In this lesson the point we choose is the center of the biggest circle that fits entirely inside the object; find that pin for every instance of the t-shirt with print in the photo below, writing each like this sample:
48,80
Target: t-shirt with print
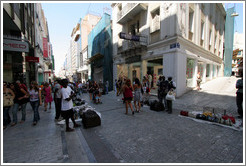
33,95
58,88
66,105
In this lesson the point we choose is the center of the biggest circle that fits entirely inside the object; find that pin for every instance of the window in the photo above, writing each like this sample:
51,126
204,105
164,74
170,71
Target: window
202,33
134,28
155,24
191,24
215,44
210,39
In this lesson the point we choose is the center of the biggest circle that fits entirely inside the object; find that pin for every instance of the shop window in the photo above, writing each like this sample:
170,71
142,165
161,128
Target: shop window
160,71
207,70
189,68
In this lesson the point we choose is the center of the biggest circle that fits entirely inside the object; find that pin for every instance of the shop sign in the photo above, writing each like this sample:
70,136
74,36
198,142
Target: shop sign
32,59
45,47
15,45
175,45
129,37
133,59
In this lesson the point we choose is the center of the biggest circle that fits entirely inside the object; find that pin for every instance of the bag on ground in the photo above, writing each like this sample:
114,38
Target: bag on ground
91,119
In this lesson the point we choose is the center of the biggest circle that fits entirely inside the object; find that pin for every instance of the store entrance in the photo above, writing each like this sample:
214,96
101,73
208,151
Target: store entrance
154,70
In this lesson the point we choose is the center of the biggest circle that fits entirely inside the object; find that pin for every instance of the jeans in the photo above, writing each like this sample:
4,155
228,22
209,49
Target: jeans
239,100
15,110
106,90
35,105
6,117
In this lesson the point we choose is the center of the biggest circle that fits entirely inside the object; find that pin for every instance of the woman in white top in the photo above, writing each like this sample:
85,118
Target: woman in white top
35,100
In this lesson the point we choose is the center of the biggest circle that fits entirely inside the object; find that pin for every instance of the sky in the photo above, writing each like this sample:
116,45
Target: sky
62,17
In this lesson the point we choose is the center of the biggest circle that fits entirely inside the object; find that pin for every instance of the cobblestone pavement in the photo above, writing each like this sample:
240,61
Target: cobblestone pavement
146,137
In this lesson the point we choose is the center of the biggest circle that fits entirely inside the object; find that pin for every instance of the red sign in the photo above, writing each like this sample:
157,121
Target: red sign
32,59
45,47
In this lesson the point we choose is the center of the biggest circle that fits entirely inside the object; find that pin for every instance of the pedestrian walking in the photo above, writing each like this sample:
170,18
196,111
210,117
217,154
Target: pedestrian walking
80,88
163,91
67,105
48,96
198,80
127,93
106,86
115,87
8,102
57,99
171,87
90,89
21,99
137,95
239,97
35,101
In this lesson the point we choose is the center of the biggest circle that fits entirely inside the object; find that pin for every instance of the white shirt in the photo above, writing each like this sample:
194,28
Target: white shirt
66,105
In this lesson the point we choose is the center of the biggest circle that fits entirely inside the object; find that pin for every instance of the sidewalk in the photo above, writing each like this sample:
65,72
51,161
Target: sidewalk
214,94
44,143
146,137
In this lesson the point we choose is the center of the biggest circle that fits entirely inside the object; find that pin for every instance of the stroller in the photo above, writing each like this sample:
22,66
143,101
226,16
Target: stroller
95,97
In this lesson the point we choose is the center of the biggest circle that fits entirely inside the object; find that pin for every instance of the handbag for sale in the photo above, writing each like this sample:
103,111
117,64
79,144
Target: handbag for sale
7,100
170,96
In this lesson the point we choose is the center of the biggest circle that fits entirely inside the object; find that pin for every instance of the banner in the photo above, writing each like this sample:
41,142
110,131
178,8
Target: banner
45,47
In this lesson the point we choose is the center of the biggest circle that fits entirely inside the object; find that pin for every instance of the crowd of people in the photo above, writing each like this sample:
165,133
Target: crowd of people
138,92
16,96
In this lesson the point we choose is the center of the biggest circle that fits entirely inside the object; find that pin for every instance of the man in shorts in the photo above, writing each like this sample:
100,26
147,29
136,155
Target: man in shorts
67,105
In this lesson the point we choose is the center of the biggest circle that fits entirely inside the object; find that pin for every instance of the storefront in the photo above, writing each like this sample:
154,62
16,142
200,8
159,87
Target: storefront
13,59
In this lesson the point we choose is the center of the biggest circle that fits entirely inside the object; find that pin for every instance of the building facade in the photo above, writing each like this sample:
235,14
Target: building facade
170,39
23,47
100,51
86,25
18,42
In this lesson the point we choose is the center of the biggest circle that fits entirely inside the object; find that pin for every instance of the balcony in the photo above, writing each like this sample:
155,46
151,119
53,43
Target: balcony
129,11
131,45
76,35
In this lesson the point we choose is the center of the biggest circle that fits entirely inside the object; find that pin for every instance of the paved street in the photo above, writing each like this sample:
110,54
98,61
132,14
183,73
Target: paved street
146,137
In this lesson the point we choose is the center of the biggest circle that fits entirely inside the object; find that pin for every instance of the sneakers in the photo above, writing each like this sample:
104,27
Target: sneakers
69,130
34,123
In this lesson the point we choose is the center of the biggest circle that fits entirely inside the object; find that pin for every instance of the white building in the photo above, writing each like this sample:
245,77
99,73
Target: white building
176,39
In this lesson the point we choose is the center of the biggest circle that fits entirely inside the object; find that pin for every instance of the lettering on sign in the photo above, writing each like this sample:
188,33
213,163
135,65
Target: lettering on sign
175,45
15,45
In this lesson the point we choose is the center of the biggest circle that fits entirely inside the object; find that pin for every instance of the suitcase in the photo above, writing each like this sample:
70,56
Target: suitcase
91,119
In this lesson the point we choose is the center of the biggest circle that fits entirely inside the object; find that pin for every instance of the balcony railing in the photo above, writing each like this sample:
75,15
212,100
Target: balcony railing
130,10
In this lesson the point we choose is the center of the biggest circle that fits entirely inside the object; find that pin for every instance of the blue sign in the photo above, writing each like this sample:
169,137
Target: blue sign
129,36
175,45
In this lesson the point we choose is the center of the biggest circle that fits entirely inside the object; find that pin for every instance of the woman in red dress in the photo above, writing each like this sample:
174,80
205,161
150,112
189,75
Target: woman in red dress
48,96
127,92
